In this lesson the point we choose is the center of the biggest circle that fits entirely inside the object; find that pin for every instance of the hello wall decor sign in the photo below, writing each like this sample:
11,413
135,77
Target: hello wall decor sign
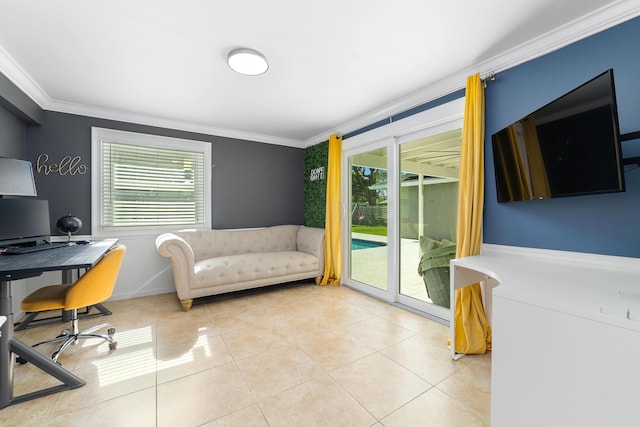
68,165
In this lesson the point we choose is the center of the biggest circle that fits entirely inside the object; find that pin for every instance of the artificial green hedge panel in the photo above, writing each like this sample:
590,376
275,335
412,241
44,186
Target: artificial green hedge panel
315,184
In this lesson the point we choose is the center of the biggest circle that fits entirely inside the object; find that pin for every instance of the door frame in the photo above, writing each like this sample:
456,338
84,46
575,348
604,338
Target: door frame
437,120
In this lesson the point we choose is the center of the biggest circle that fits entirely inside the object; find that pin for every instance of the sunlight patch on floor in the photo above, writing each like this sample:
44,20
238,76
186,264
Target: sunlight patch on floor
126,363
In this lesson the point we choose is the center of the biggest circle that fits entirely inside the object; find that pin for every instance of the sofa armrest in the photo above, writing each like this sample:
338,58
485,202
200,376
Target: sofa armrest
177,249
311,240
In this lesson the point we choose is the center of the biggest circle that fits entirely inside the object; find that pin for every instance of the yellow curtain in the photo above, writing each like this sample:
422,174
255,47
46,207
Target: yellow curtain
472,330
332,248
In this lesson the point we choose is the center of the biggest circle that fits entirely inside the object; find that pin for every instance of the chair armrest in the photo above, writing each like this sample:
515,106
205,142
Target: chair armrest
311,240
177,249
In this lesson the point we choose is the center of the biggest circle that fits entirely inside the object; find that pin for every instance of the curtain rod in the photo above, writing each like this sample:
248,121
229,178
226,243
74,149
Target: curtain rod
491,77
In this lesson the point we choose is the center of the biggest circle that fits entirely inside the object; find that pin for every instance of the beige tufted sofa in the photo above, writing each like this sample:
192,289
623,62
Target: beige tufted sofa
211,262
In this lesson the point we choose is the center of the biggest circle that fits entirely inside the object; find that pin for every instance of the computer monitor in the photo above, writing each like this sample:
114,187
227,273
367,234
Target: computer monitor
16,178
24,221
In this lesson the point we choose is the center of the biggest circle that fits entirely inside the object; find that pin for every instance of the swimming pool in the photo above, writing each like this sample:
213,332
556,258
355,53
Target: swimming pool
365,244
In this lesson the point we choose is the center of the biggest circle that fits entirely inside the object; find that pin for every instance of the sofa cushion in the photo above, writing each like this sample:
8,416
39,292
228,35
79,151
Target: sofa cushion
248,267
215,243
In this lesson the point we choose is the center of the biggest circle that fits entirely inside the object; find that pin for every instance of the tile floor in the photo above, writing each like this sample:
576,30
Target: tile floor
296,355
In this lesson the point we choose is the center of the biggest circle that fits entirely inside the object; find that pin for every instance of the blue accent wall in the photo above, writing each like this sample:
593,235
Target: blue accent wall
606,224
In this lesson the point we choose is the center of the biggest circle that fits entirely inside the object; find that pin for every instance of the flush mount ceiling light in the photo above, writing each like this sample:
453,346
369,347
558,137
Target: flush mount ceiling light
247,61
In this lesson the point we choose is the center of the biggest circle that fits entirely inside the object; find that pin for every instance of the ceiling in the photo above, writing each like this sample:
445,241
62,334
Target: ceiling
335,65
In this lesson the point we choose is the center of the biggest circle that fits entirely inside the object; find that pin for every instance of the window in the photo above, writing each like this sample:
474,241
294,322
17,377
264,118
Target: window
143,184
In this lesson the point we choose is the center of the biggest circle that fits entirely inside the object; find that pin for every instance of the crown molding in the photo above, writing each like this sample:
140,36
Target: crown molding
21,79
578,29
123,116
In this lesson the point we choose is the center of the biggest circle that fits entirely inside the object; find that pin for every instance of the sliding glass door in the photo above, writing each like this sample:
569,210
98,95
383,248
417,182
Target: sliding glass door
368,220
428,201
400,203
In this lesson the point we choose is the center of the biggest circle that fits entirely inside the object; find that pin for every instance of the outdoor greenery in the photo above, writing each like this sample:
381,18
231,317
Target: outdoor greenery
368,196
380,230
363,182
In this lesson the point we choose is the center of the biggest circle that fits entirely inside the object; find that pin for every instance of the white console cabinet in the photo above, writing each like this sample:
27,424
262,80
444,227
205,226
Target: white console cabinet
566,336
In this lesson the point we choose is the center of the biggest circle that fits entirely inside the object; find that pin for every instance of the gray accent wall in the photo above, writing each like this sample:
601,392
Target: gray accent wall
254,184
14,101
11,135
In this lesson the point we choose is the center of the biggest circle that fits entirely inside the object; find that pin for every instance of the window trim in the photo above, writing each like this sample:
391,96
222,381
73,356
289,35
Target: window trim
148,140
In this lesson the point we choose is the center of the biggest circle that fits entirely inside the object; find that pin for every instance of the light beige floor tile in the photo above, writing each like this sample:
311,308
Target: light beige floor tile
210,366
71,355
315,403
434,409
28,378
29,413
379,384
126,320
41,332
277,370
149,305
341,314
123,372
426,356
471,385
135,410
180,326
378,333
186,358
247,417
301,328
482,361
243,343
87,352
132,341
226,321
202,397
335,350
408,320
280,304
230,304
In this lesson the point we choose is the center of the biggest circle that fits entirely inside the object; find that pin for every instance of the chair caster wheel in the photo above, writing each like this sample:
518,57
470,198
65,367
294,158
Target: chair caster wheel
111,331
113,345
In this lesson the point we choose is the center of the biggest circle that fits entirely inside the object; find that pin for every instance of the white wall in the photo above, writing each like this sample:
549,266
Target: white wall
143,272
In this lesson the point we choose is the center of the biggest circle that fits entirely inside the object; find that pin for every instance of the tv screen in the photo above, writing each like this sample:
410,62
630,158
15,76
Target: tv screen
16,178
569,147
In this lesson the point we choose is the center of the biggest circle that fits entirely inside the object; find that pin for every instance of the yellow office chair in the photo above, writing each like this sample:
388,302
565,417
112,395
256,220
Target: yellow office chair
93,287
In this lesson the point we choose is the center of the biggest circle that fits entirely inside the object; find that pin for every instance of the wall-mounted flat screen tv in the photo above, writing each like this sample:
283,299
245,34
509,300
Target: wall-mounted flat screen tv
569,147
16,178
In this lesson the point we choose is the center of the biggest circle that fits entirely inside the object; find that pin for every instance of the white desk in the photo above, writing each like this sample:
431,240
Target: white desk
566,336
